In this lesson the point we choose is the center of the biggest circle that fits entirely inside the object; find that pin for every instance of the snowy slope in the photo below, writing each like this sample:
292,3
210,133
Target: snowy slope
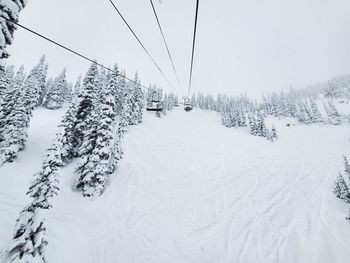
191,190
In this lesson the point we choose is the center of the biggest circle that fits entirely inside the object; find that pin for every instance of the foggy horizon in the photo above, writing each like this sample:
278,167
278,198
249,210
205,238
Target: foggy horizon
239,49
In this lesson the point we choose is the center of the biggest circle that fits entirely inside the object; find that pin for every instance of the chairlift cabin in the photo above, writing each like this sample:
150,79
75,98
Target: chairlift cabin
154,104
187,104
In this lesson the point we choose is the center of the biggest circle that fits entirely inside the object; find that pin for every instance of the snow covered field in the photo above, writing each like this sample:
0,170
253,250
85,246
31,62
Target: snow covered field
191,190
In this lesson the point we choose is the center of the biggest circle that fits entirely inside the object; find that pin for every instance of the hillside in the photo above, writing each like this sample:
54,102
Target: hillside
191,190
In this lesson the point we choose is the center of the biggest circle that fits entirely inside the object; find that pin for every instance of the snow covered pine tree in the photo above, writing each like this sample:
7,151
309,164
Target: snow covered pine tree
9,9
85,131
29,236
6,76
341,190
56,94
334,116
100,160
15,125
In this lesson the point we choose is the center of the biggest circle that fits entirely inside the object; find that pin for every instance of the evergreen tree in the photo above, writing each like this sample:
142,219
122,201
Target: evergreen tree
77,87
235,119
303,113
346,168
42,82
308,113
341,189
9,9
86,181
114,84
252,124
87,103
138,101
260,125
102,80
68,92
33,85
243,120
123,124
128,101
107,140
95,167
14,132
226,118
46,183
68,123
56,94
29,240
333,115
87,136
9,99
48,90
124,116
36,84
6,76
317,117
333,90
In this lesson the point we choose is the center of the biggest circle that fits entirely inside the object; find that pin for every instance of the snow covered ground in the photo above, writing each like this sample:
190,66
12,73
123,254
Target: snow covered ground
191,190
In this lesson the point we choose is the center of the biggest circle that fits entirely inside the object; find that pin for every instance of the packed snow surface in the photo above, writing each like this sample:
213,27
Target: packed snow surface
191,190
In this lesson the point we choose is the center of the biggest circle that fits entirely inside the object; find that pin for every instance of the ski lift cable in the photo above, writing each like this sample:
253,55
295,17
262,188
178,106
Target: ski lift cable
139,41
70,50
193,47
166,44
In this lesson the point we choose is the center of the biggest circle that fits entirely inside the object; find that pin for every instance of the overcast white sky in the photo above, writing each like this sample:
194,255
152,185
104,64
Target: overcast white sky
250,46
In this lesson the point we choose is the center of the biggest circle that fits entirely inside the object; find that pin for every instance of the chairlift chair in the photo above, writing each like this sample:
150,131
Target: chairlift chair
187,104
154,104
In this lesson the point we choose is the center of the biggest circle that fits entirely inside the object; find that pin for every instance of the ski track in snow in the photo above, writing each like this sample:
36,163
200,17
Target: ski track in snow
191,190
